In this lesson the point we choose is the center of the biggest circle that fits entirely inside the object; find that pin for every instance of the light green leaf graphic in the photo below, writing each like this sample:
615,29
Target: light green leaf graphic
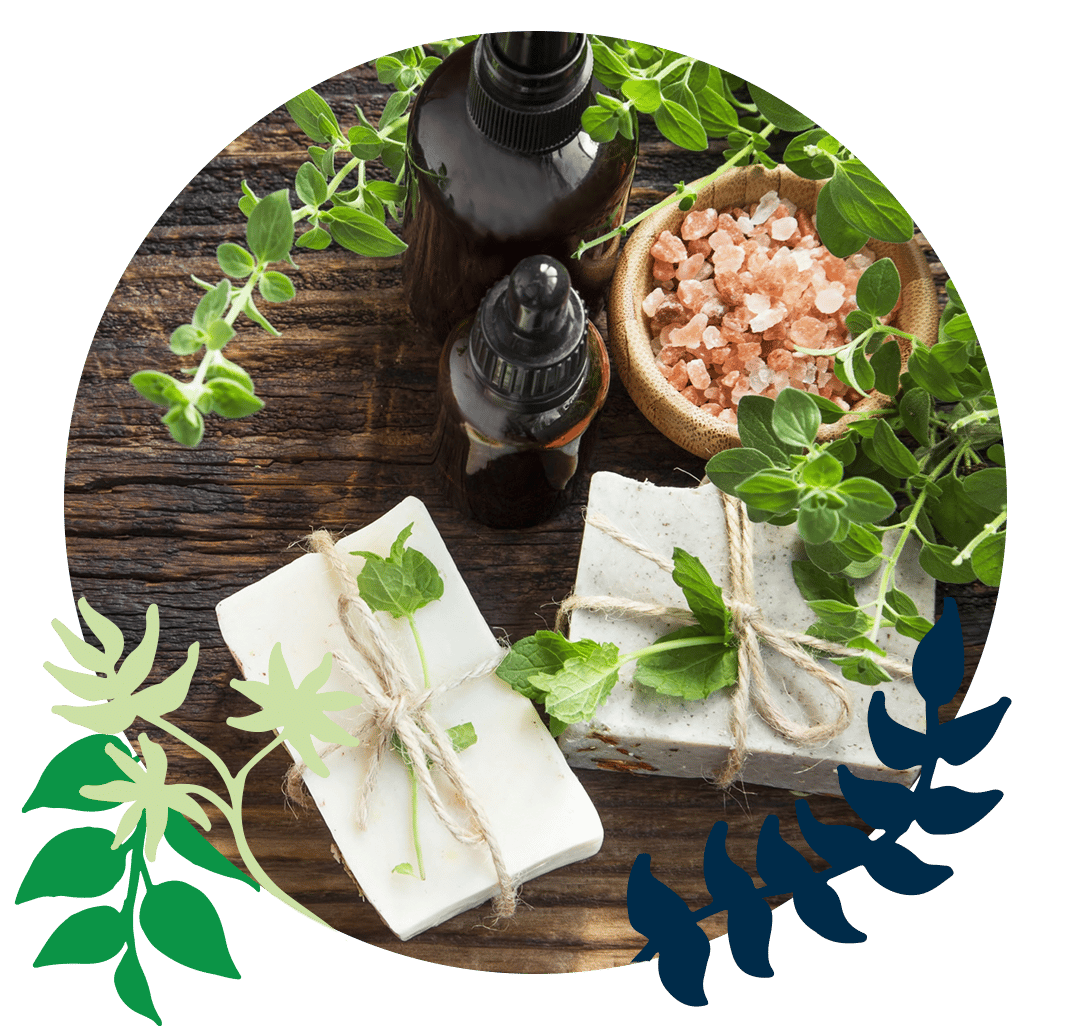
180,922
297,712
148,793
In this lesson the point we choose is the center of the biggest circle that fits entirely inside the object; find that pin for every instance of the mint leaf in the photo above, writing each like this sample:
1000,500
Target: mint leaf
693,672
542,652
703,596
582,684
402,582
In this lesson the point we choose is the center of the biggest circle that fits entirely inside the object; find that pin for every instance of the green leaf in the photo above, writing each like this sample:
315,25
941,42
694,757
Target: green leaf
860,545
195,848
276,287
862,670
865,500
543,652
234,260
838,234
404,868
755,426
822,471
679,126
132,987
771,491
394,109
213,305
180,922
692,673
730,467
230,399
258,317
959,327
270,231
795,418
400,583
160,389
462,736
219,332
703,596
645,94
891,453
987,559
774,110
583,683
78,863
816,584
954,513
988,489
248,201
83,762
310,185
818,522
359,232
91,936
317,238
186,339
878,288
867,204
916,411
308,109
886,365
928,373
810,166
936,560
221,367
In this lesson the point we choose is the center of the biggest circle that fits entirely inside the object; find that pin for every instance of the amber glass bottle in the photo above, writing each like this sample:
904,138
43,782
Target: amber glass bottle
520,386
499,168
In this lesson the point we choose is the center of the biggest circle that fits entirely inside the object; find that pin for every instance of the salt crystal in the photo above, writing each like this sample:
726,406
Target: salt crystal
757,303
783,229
689,268
767,207
669,248
745,224
698,374
803,259
727,258
652,301
691,333
829,299
699,223
760,378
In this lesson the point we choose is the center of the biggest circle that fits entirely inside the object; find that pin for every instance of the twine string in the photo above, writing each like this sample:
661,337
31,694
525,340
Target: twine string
750,629
396,706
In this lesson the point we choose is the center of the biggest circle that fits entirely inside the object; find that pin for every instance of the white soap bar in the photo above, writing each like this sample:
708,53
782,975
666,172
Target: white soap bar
537,808
639,731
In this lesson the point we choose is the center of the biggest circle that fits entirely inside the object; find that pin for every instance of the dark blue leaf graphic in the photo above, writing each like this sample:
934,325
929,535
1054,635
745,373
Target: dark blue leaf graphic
948,810
749,920
886,806
937,667
817,904
841,846
898,747
660,914
966,735
896,868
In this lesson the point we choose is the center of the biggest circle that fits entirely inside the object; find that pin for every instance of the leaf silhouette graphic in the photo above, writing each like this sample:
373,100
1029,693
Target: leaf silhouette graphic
659,913
963,737
180,922
898,747
84,761
949,810
937,667
839,845
816,903
748,916
888,806
896,868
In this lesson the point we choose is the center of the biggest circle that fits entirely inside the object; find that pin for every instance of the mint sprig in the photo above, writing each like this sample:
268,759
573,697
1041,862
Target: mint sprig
571,679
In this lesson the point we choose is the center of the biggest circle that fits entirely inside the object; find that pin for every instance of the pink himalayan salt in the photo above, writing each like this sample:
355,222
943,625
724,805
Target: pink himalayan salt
783,229
691,333
698,373
699,223
651,303
663,270
669,248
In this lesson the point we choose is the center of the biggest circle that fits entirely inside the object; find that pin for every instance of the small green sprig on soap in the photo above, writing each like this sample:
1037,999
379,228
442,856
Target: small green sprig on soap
571,679
401,584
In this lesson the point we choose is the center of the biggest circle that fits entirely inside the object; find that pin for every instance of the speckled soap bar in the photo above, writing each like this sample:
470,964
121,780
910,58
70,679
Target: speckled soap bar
639,731
537,808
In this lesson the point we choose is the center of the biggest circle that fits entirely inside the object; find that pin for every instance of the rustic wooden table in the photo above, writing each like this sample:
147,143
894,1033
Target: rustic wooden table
345,435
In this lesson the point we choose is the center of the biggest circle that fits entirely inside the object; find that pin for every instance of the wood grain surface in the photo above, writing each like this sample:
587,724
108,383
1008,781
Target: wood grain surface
345,435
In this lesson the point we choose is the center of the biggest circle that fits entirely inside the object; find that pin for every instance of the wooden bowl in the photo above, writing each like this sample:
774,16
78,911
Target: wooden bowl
679,420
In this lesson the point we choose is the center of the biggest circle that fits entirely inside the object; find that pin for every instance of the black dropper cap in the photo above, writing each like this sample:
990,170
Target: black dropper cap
529,340
528,90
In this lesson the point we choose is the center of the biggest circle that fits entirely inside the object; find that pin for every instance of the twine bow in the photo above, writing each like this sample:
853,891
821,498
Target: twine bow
750,628
397,707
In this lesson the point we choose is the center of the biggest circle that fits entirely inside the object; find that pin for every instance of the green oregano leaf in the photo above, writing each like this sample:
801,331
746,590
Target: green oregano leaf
309,110
775,110
878,288
836,232
867,204
270,231
234,260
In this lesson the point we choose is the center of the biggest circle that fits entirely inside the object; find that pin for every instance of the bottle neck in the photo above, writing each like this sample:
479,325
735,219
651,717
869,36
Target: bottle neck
528,91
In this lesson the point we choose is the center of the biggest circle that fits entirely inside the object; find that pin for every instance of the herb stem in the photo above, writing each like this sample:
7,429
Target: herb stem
413,810
986,532
658,648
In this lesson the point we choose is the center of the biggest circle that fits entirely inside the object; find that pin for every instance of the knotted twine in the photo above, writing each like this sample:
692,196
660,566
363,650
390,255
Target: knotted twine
396,706
749,627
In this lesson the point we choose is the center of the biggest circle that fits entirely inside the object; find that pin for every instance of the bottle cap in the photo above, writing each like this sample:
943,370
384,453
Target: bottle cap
528,90
529,339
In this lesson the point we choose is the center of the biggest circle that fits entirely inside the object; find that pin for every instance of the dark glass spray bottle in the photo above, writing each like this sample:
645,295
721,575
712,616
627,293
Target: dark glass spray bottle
520,385
499,168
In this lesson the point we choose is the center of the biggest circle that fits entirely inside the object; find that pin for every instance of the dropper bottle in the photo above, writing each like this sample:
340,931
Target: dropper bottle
520,386
500,168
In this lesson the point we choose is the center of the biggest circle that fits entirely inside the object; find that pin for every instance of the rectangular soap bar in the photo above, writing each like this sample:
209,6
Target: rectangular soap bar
537,808
639,731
